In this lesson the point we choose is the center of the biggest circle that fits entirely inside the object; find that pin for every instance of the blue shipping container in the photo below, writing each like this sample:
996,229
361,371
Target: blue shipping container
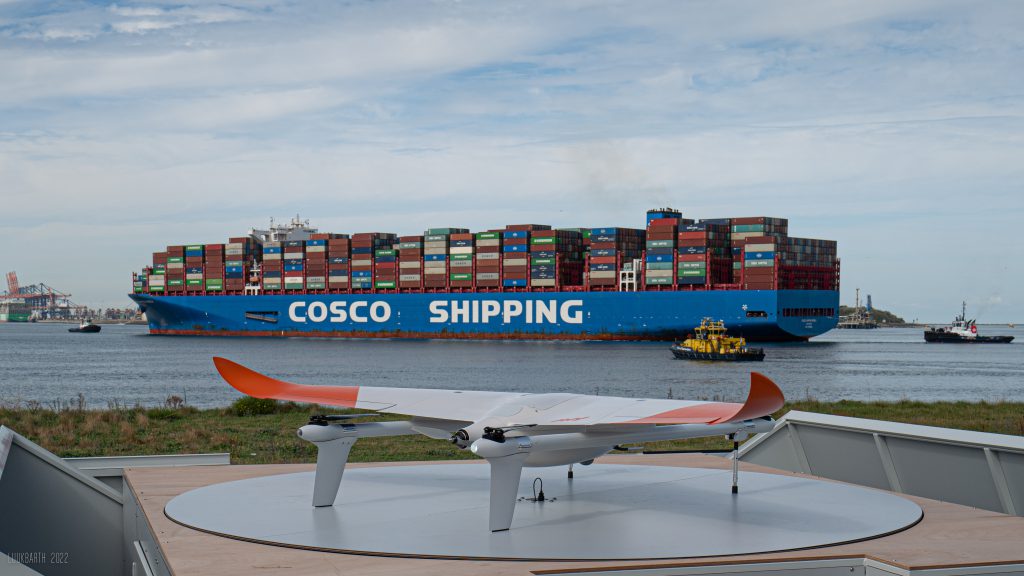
658,257
515,283
515,234
760,256
515,248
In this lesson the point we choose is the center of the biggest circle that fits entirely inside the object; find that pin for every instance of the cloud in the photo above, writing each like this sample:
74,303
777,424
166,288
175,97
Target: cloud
883,125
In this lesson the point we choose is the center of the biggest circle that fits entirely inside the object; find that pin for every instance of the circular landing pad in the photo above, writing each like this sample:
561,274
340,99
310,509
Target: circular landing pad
608,512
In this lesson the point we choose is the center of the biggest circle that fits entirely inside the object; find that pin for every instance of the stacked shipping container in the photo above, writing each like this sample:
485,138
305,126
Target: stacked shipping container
753,253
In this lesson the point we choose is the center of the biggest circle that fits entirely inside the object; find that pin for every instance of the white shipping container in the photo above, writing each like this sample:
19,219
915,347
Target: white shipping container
156,281
411,264
362,262
517,261
488,256
271,244
434,251
659,273
198,276
319,279
489,242
488,276
603,274
461,263
434,264
461,250
434,271
234,252
310,249
409,277
293,280
435,245
760,247
175,265
269,257
543,282
234,246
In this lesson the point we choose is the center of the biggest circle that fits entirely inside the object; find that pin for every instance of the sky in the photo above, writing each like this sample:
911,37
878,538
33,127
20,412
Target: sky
893,127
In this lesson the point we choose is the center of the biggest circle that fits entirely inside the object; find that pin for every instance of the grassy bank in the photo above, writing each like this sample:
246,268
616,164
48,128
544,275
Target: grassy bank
260,432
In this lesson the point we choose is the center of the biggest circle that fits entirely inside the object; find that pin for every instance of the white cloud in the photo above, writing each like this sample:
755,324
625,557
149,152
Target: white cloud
879,124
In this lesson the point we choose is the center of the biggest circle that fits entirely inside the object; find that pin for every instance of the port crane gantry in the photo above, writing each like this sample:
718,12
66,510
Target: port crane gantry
44,301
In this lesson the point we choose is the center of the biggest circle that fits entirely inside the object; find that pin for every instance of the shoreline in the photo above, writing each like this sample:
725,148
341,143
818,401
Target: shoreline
263,432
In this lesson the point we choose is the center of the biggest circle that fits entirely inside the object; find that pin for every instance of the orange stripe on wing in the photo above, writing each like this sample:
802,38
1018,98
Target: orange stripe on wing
763,399
257,385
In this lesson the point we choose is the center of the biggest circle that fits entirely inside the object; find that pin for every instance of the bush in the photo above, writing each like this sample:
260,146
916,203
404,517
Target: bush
249,406
163,414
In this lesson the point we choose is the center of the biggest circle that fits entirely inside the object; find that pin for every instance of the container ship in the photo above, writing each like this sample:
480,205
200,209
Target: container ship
525,281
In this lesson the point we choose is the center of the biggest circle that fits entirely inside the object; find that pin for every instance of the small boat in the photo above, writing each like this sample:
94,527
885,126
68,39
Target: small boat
963,330
710,342
86,327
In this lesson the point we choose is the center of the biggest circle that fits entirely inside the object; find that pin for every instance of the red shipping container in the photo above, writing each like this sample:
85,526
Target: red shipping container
516,241
528,227
691,257
673,222
692,242
293,273
668,235
175,250
515,275
602,259
461,237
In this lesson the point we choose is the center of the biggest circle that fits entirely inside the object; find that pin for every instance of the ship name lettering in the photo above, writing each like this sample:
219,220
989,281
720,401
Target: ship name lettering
337,312
484,311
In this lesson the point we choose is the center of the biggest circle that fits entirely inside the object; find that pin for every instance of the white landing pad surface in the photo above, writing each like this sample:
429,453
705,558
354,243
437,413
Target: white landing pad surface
608,512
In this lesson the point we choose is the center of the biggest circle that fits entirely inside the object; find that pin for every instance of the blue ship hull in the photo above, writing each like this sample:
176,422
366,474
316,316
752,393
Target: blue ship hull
761,315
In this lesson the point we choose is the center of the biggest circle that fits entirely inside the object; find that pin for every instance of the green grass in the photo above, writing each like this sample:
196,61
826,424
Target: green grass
263,433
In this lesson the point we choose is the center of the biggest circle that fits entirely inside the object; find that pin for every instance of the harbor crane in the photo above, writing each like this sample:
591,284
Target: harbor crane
43,300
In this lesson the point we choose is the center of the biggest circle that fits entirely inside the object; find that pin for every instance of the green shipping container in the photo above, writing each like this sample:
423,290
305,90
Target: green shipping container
661,243
175,259
193,282
539,261
760,263
542,240
435,238
461,257
659,265
461,276
384,252
487,235
193,247
658,281
699,265
174,282
384,284
158,272
690,273
316,285
156,288
410,245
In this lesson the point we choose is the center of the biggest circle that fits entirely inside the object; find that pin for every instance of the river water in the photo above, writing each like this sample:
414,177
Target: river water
126,365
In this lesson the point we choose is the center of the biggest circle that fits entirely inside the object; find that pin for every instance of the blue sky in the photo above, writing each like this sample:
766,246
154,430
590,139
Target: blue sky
896,128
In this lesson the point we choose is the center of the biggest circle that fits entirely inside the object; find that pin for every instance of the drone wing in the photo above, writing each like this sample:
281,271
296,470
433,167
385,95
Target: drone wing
456,405
516,409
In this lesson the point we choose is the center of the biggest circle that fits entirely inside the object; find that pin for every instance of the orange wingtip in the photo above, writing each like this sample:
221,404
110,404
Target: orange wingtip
257,385
763,399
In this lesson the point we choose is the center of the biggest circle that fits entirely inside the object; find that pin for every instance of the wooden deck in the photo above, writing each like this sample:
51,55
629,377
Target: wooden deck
949,535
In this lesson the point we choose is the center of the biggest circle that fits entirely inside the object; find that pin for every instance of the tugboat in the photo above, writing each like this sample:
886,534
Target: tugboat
86,327
710,342
963,330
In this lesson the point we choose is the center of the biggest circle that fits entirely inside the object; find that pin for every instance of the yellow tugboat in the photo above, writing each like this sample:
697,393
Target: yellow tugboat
710,342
